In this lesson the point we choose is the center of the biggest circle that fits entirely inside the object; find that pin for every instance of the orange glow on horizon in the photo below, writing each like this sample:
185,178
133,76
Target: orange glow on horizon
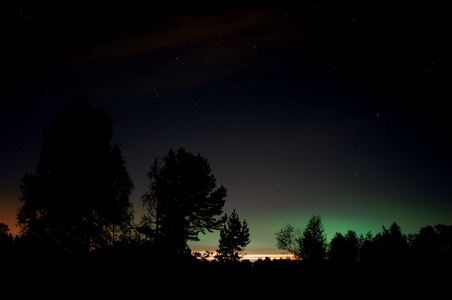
8,211
254,256
272,256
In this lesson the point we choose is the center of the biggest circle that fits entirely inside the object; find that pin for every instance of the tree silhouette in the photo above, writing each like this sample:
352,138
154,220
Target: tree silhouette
6,240
344,249
433,244
445,239
4,229
78,198
309,244
289,239
234,237
314,240
426,244
393,243
183,200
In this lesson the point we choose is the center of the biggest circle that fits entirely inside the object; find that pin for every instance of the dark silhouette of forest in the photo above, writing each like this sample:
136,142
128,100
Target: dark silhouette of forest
76,216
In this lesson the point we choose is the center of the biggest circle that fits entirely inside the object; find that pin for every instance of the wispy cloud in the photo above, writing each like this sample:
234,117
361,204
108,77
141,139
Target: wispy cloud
190,50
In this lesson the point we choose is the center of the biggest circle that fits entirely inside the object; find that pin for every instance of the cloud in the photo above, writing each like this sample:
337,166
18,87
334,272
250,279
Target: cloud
193,50
181,31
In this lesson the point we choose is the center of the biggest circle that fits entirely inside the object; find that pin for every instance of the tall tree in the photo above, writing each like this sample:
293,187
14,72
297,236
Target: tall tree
314,240
234,237
183,200
78,198
394,244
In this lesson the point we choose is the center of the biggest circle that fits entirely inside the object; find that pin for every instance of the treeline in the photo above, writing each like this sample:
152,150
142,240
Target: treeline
431,245
390,246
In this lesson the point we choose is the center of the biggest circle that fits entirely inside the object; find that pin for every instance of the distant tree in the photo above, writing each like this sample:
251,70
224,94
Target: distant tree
314,240
183,200
203,255
394,244
445,240
426,244
309,244
234,237
352,246
4,229
433,244
6,240
337,248
289,239
344,249
367,248
78,198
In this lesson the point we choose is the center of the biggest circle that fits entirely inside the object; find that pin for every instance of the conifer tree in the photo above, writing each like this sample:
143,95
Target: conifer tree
314,240
234,237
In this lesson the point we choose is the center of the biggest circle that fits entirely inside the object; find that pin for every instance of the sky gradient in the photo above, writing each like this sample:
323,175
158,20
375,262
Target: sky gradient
322,109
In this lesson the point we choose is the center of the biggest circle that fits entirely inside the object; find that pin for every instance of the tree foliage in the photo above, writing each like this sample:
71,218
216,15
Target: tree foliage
78,198
289,239
344,249
394,243
309,244
183,200
234,237
314,239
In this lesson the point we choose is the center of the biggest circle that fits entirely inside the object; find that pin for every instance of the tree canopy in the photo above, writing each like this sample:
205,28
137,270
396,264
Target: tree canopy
314,239
309,244
183,200
78,197
289,239
344,248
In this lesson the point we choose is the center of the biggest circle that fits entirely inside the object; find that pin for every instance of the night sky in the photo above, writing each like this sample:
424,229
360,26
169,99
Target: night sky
335,109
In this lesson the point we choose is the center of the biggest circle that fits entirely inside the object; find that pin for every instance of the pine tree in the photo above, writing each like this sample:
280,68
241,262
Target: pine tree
314,240
234,237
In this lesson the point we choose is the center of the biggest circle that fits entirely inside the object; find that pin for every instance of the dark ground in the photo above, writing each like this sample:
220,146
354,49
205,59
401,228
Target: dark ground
118,276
